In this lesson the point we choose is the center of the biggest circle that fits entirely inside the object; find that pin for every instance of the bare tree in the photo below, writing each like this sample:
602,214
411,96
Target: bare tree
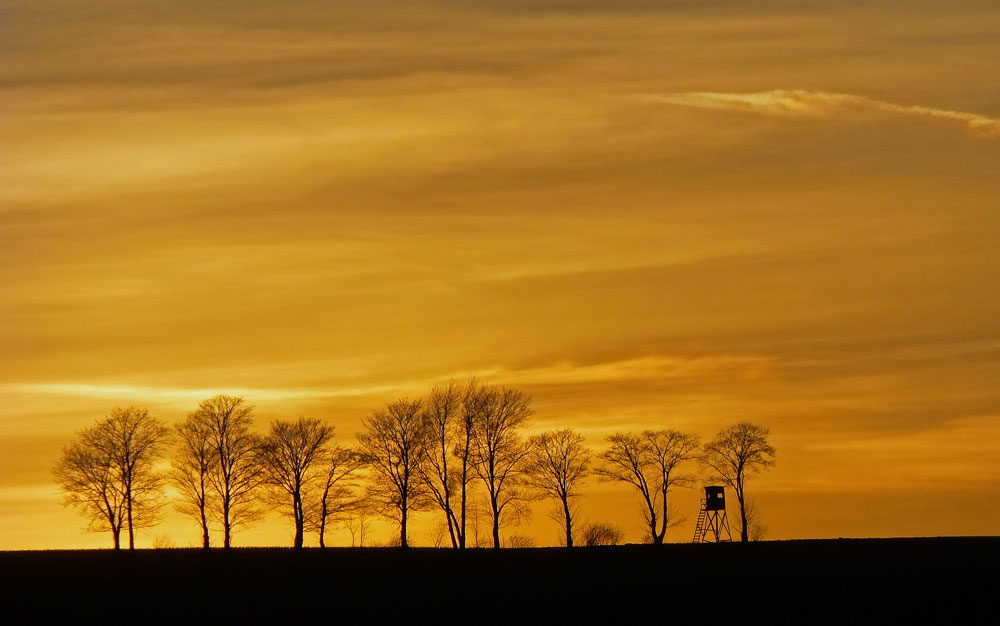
334,494
557,464
109,471
236,474
735,454
520,541
436,534
601,534
359,524
192,465
498,454
474,508
135,441
441,420
88,479
649,462
290,455
393,445
474,399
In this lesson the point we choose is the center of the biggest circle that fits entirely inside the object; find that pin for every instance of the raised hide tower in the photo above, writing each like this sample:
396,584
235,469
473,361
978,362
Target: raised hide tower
713,525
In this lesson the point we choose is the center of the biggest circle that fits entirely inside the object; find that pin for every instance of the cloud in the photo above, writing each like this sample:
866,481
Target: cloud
567,373
161,394
821,104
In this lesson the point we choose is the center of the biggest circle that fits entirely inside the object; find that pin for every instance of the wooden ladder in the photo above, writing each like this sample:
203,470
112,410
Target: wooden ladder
700,526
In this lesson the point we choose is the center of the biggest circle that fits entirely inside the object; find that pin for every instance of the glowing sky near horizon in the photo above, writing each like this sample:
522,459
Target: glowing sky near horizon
646,214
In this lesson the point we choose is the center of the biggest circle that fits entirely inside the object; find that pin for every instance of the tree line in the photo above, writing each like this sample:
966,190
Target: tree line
435,452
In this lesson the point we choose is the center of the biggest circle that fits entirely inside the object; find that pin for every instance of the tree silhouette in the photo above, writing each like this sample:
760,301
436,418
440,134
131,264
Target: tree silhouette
556,466
442,422
290,455
649,462
498,453
109,472
88,479
735,454
601,534
474,397
358,522
333,496
393,445
236,474
520,541
192,465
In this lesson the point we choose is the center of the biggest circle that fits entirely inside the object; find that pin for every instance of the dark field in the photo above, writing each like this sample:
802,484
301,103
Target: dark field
841,581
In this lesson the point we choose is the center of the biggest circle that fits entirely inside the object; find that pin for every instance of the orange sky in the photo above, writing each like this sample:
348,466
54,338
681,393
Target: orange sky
646,214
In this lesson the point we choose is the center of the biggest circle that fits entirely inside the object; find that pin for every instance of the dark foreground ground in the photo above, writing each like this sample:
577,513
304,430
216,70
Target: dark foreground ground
889,581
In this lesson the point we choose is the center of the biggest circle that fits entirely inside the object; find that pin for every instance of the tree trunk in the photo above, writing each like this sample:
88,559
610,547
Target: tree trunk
664,509
227,530
324,513
569,524
448,513
116,533
402,530
204,529
654,537
202,505
461,530
744,532
131,531
496,523
299,520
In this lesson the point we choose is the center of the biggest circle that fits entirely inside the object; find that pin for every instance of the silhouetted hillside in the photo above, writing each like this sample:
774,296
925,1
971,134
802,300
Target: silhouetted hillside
848,581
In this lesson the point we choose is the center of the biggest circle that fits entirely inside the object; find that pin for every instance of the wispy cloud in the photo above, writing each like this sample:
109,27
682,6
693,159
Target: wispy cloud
564,373
821,104
163,394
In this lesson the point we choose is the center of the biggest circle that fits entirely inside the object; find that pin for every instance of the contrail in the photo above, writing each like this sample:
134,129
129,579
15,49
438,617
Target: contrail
820,104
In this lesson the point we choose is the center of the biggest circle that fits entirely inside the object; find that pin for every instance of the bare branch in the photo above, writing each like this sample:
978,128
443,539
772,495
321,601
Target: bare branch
556,466
236,473
109,472
649,462
498,454
333,498
393,445
290,456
